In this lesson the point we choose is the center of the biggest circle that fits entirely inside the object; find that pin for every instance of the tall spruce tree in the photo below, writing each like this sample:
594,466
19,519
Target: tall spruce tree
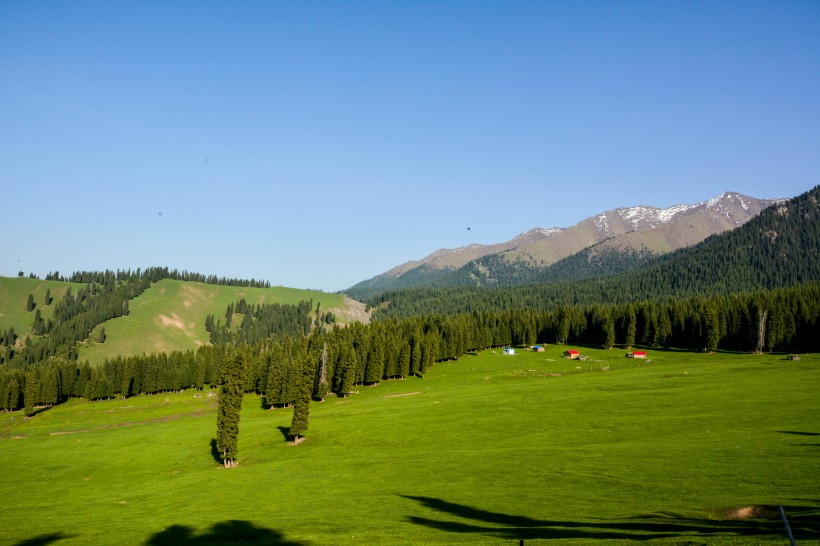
301,406
31,393
320,387
230,406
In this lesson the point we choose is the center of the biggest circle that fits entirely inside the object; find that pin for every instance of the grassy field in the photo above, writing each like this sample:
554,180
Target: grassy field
14,294
170,316
489,449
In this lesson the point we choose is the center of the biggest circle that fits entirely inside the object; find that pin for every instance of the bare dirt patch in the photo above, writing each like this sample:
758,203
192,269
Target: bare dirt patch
354,311
754,511
398,395
172,321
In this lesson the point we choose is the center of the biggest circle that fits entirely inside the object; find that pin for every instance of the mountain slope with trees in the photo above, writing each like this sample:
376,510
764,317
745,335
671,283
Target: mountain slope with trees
627,237
778,248
97,316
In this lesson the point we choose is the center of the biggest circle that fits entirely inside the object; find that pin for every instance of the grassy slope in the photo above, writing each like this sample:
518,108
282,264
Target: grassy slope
14,293
487,450
170,315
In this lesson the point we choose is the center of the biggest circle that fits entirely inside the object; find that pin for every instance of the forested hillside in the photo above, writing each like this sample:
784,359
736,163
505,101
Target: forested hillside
97,315
778,248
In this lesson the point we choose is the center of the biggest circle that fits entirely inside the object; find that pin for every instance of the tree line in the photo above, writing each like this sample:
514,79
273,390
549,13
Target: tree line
152,274
339,360
264,321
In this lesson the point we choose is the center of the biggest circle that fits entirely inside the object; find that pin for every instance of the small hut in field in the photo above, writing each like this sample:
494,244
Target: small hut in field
509,351
538,348
637,354
572,354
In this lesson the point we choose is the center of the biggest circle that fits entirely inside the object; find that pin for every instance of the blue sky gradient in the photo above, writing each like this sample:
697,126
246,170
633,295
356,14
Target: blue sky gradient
317,144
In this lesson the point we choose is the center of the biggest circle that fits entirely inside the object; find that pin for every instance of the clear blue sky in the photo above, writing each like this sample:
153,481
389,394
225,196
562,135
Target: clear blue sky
317,144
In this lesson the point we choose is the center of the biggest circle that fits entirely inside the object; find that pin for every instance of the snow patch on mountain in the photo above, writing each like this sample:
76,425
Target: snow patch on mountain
651,216
602,223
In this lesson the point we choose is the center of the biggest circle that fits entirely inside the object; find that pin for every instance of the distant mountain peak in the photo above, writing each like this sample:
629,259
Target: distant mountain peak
640,228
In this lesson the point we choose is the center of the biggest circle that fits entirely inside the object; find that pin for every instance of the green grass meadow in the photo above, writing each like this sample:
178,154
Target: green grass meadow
14,293
170,316
489,449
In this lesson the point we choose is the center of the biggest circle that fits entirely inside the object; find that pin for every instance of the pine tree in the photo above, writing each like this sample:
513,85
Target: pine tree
321,387
31,394
631,326
30,303
229,408
301,406
13,394
712,327
50,387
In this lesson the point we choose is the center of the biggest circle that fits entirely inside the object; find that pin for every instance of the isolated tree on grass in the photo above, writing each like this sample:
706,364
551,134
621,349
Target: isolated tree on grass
230,405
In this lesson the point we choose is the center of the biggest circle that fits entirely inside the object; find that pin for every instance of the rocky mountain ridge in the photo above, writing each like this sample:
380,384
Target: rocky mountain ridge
639,228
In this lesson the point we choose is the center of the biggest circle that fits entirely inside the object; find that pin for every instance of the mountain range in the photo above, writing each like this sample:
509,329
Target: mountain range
609,242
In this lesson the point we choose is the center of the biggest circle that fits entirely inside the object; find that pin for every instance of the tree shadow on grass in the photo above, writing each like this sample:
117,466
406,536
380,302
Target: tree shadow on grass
215,452
798,433
463,519
44,539
285,432
224,532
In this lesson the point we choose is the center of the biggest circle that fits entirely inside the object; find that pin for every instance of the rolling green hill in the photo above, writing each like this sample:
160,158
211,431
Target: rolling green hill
14,293
169,315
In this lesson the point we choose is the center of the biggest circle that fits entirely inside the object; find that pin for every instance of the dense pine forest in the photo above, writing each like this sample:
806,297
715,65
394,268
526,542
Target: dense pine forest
754,289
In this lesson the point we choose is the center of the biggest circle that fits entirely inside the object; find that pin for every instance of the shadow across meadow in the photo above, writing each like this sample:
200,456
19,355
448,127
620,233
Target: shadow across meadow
44,540
462,519
224,532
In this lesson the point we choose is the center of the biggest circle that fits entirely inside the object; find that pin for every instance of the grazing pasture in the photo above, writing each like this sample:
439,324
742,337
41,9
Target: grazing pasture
687,448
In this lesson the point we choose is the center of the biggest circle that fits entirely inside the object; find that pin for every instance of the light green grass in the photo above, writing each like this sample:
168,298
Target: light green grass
170,316
490,449
14,295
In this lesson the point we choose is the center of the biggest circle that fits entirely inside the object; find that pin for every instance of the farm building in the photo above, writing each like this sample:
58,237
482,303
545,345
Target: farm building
637,354
538,348
509,351
572,354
